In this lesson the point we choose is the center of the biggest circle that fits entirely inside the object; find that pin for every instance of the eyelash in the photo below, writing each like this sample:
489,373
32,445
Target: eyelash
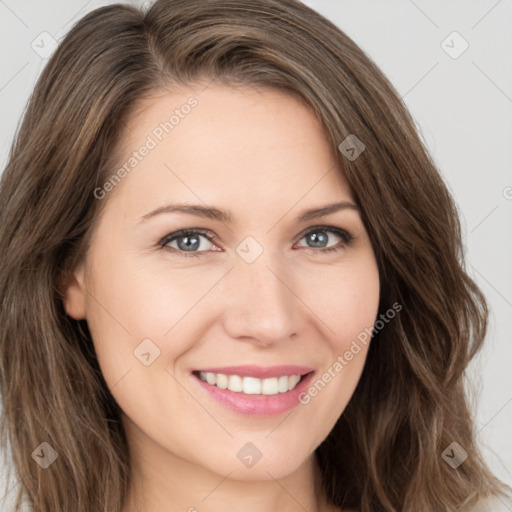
346,237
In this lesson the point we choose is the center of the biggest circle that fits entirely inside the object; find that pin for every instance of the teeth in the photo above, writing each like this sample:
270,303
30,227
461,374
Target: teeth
271,386
235,383
251,385
222,381
282,384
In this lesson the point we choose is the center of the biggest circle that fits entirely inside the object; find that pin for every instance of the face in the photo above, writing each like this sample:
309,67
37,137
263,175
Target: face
264,286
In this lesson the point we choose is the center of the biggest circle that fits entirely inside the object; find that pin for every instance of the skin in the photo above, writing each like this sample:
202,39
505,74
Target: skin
263,156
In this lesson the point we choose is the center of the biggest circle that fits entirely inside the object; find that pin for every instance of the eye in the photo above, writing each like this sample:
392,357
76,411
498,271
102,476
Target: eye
187,241
319,238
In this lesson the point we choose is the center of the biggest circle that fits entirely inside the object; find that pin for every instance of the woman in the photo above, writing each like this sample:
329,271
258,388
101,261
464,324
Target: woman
232,275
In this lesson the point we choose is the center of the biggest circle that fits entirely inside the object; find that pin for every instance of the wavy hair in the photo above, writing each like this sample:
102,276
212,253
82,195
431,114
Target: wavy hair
384,453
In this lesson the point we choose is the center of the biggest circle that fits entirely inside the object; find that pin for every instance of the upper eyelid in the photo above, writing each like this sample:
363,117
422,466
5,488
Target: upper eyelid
322,226
183,232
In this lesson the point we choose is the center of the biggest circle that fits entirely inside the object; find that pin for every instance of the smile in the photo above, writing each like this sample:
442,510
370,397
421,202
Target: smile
251,385
254,390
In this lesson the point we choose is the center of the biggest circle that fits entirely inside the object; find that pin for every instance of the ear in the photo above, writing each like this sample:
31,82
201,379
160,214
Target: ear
74,295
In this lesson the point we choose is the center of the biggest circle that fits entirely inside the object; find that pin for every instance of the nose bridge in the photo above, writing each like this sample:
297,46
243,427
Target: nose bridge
262,305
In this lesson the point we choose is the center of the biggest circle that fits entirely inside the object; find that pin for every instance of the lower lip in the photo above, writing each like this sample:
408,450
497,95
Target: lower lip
257,405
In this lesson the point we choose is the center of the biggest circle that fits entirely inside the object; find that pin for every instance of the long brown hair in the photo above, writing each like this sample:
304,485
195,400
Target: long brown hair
385,452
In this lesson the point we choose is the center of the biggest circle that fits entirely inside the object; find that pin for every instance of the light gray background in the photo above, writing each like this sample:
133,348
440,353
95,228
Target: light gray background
462,107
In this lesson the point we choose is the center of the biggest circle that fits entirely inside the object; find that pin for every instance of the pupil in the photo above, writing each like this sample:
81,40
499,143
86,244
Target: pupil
318,241
188,246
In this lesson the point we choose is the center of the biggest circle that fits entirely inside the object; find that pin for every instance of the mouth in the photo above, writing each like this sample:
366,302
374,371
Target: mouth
255,381
255,391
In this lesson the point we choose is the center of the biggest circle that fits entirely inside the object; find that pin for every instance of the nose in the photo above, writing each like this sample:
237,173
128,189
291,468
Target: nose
261,305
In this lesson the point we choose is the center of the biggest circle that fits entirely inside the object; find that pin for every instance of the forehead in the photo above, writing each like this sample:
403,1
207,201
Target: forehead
242,143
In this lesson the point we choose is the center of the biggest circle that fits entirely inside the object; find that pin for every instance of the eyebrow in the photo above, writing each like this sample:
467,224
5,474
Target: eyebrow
221,215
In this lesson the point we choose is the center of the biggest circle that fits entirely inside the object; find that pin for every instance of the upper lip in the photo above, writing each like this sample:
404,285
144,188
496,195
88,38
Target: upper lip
259,372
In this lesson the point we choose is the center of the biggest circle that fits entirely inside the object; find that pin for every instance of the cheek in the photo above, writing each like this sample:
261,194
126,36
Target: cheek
134,299
156,294
345,298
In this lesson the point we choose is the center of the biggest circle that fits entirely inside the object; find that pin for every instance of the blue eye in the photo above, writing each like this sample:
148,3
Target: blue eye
188,241
319,237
